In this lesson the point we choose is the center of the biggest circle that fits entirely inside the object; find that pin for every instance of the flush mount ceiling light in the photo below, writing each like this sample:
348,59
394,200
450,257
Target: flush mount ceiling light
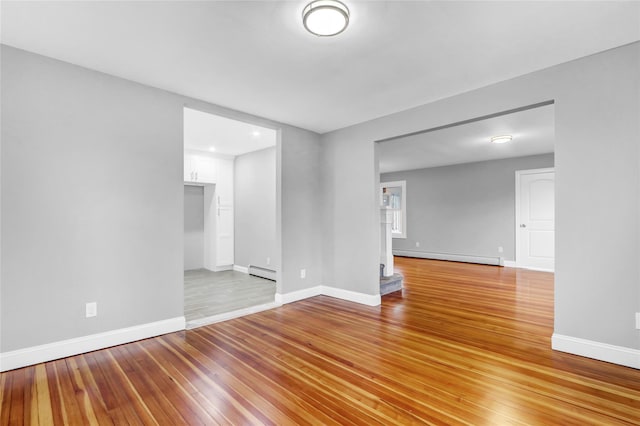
501,139
325,17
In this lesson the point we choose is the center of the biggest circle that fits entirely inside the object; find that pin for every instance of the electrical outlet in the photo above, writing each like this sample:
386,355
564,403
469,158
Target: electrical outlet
91,309
303,273
500,249
268,261
417,243
638,320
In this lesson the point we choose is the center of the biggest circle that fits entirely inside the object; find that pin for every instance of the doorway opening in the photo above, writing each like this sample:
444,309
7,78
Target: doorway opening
460,201
230,258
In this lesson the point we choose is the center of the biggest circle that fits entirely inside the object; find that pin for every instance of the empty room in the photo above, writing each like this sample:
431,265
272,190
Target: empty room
320,212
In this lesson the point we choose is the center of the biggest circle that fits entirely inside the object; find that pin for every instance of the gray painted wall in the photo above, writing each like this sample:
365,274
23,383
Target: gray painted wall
300,224
193,227
255,208
92,200
597,162
464,209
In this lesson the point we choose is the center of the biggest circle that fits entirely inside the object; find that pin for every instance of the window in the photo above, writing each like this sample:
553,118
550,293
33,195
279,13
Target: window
394,195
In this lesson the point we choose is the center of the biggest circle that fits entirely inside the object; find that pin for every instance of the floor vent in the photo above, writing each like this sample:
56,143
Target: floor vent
257,271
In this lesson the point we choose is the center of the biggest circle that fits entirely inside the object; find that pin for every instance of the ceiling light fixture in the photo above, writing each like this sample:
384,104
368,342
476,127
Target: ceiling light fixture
501,139
255,133
325,17
212,149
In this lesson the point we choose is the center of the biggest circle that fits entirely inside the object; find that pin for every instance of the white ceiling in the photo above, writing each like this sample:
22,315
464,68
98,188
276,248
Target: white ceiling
220,135
257,57
533,133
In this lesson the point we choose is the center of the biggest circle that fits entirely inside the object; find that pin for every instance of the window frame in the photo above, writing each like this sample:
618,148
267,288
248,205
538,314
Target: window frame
403,205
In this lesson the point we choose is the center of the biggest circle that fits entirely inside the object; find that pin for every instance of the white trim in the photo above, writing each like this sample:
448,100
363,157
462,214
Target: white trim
531,268
222,268
294,296
519,173
338,293
352,296
513,264
231,315
242,269
78,345
449,256
596,350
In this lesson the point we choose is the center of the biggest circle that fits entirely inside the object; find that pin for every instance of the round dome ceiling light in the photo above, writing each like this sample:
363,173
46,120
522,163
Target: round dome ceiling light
325,18
501,139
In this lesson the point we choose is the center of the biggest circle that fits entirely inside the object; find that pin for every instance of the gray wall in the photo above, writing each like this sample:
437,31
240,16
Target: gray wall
464,209
255,208
300,224
597,164
92,200
193,227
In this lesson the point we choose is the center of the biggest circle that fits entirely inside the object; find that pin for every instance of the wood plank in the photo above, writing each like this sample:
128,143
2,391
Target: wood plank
72,413
154,384
19,393
86,391
461,344
58,410
5,395
42,403
283,390
121,399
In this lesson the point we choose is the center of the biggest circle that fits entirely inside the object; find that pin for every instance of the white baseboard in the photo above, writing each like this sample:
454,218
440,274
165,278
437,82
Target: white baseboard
338,293
64,348
222,268
242,269
294,296
448,256
536,269
352,296
513,264
596,350
231,315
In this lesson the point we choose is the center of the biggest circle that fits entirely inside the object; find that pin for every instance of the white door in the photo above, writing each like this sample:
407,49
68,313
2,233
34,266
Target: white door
224,198
535,221
225,246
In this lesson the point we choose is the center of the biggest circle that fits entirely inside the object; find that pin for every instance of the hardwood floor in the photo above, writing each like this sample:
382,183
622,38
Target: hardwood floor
208,293
462,344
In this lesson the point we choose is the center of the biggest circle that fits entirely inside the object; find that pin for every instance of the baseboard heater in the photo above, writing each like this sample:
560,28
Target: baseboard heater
257,271
498,261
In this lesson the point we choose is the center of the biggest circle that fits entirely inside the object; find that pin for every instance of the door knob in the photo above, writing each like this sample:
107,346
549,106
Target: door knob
522,225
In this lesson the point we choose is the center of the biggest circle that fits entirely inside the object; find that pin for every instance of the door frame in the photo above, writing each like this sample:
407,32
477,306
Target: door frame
520,173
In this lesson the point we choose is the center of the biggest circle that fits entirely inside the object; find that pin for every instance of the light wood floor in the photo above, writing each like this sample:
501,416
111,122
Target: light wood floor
462,344
208,293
